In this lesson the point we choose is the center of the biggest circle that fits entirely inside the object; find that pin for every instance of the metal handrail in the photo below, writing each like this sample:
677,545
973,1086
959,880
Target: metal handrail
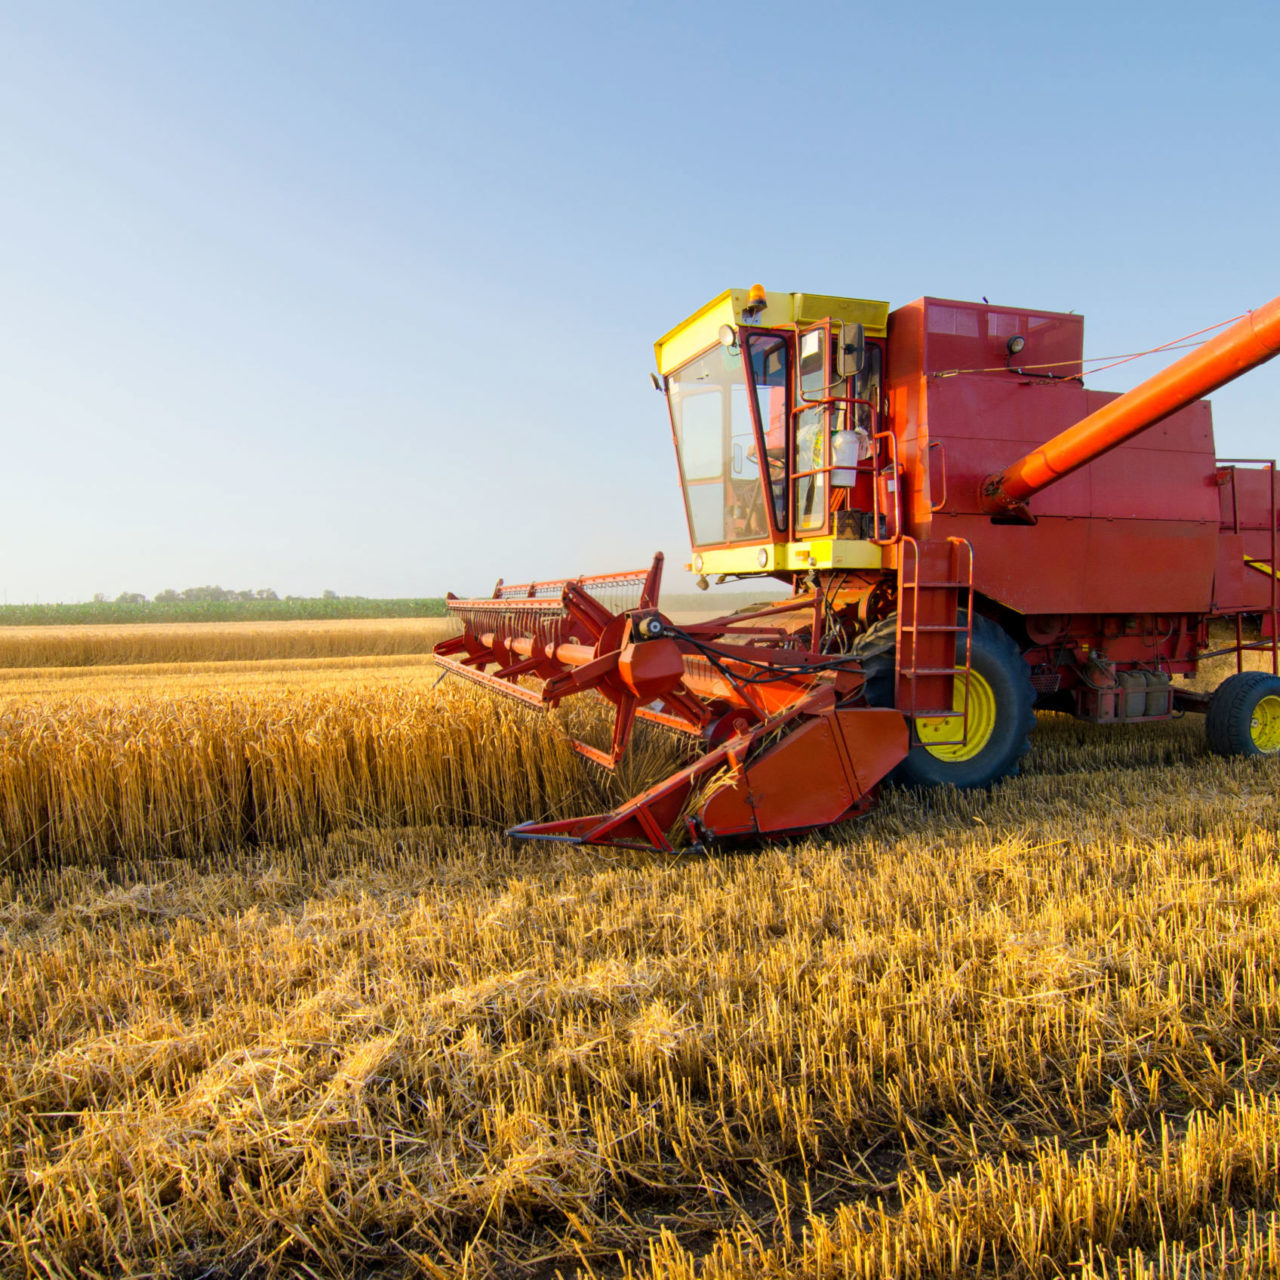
942,448
876,472
803,406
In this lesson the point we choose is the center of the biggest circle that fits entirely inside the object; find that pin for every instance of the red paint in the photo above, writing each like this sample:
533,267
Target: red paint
1242,347
1139,540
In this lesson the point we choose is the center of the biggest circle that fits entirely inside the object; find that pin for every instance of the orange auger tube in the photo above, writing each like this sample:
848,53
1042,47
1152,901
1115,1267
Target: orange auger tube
1247,344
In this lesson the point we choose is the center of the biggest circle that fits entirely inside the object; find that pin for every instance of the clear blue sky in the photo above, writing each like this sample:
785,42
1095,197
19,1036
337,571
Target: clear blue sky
362,296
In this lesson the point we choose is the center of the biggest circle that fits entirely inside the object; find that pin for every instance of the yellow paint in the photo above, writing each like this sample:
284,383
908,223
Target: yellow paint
1261,566
1264,728
939,734
873,316
702,329
820,553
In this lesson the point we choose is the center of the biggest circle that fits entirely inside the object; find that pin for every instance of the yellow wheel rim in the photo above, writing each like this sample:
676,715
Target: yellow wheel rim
1265,726
940,735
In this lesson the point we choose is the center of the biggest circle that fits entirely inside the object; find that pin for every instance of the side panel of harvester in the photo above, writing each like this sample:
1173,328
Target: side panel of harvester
1247,549
1136,531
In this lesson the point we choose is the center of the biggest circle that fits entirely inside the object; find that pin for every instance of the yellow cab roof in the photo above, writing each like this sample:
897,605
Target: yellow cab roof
702,329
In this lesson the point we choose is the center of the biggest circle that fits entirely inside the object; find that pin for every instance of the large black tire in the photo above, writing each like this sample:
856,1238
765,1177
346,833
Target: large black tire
997,661
1244,715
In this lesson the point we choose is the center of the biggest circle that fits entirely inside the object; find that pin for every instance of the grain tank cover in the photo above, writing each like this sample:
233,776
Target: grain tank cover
975,337
701,330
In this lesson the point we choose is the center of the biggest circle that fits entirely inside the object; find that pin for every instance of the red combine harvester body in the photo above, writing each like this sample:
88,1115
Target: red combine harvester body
968,532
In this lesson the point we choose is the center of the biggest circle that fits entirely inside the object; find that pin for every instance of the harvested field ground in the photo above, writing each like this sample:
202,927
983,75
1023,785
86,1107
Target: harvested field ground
1031,1033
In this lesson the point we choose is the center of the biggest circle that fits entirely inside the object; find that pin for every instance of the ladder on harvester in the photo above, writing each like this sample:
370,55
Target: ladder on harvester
935,627
1267,563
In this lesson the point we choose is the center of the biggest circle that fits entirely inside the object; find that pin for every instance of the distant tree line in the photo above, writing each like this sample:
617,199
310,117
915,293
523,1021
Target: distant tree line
201,594
218,604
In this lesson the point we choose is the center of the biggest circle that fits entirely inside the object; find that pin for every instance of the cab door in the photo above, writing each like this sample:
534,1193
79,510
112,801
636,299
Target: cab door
811,432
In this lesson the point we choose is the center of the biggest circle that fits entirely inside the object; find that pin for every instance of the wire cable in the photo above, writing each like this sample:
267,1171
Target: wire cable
767,672
1175,344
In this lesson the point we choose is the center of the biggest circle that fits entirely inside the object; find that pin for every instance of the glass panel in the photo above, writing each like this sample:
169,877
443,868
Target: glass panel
813,362
811,490
811,435
868,388
701,418
716,448
706,513
768,355
747,514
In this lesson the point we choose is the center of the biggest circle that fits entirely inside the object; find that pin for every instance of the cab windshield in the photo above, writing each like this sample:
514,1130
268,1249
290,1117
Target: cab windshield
717,448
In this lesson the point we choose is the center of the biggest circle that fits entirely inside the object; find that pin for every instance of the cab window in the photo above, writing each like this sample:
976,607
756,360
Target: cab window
716,449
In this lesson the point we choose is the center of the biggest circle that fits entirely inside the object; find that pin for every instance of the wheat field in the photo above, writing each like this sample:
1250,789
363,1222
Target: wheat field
77,646
1030,1033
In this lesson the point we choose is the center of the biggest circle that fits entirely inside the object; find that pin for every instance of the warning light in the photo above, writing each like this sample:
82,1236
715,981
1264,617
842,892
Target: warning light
756,301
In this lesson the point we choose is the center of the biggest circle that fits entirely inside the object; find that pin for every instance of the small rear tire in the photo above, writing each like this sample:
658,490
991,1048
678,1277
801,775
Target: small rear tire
1244,715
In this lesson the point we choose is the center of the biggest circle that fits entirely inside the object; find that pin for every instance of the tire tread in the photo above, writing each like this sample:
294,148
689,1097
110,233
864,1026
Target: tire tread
1226,722
875,647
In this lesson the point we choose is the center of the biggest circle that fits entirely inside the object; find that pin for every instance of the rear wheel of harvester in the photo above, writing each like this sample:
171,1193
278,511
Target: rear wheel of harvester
1000,716
1244,715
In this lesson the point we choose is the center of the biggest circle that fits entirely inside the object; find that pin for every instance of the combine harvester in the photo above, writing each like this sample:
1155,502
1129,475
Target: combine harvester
884,465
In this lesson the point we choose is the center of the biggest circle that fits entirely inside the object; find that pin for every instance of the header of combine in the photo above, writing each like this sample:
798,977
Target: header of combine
881,462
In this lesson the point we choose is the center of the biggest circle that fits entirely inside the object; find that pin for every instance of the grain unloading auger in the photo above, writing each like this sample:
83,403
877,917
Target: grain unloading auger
881,464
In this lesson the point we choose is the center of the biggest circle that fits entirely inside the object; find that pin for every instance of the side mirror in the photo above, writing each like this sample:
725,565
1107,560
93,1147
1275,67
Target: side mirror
851,352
